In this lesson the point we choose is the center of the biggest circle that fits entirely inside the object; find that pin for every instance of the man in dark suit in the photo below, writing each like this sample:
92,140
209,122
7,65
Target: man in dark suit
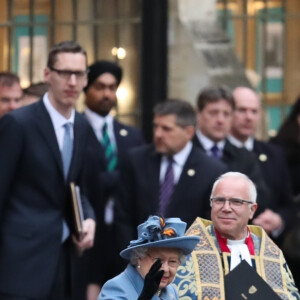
171,177
214,110
246,118
44,148
116,139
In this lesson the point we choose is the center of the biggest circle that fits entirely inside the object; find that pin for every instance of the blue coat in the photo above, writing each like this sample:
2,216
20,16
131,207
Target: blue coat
128,286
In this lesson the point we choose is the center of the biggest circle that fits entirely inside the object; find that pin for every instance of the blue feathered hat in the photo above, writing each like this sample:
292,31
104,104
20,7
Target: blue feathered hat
158,232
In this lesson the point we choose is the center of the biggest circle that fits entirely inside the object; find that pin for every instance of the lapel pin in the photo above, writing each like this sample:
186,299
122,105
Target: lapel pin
263,157
123,132
191,172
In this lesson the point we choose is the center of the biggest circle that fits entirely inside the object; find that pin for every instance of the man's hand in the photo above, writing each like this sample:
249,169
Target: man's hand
87,241
268,220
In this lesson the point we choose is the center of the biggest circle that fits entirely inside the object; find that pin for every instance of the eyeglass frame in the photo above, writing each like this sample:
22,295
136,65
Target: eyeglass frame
66,74
230,201
163,261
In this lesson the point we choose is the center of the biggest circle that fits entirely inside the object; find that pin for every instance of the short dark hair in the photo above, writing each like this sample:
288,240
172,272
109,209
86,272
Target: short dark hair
184,112
8,79
64,47
36,89
214,94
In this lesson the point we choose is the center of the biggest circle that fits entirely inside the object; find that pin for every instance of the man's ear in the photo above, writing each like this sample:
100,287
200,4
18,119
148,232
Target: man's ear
253,209
46,74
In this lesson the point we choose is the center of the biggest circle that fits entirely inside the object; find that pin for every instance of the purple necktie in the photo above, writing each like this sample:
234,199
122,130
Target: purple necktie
215,151
166,189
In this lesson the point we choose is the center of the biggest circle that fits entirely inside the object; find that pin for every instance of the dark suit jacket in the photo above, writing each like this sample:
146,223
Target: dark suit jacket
139,196
105,262
276,176
241,160
34,198
126,137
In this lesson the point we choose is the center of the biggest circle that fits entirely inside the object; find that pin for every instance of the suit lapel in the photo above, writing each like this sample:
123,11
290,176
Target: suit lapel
117,128
46,128
188,173
197,142
154,171
228,153
78,146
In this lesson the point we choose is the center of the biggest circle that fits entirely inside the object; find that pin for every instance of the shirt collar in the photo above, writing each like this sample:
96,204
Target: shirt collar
181,157
248,144
58,120
208,143
96,120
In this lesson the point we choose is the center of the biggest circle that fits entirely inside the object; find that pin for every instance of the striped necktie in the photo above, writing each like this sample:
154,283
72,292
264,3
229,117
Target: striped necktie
167,188
110,153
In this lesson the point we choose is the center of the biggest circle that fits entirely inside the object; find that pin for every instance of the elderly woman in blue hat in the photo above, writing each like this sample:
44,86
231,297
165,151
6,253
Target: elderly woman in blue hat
153,261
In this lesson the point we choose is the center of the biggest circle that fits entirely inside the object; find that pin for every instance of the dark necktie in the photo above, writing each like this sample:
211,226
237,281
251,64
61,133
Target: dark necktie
167,188
215,151
110,153
67,149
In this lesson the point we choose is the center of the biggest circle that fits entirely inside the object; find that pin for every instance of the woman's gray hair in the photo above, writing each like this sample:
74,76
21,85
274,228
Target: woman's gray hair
137,254
141,252
251,186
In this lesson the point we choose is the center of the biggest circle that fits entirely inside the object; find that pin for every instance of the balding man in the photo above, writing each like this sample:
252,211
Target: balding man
245,121
227,240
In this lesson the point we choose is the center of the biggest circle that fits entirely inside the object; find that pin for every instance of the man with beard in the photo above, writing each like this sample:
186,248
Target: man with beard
115,139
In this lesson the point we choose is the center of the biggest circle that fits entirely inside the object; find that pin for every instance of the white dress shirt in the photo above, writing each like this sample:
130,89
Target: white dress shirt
179,160
59,121
97,122
249,144
208,143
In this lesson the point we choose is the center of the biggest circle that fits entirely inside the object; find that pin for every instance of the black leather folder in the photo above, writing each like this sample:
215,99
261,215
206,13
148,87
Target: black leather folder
244,283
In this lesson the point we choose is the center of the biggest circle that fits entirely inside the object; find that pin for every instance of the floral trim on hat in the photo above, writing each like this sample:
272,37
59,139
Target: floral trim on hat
155,231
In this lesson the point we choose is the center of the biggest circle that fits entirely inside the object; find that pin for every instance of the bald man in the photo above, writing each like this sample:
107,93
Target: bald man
246,118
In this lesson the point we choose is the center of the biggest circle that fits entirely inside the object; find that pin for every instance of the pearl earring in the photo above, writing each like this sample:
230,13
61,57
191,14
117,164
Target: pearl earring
138,266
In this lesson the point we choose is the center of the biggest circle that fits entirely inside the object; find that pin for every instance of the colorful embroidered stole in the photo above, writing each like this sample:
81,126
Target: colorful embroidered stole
210,264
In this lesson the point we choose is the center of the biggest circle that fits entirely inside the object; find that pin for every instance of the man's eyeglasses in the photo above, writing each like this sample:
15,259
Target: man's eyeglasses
66,74
172,263
233,202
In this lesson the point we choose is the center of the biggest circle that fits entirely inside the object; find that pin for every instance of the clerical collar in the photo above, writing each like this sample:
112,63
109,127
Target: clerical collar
236,242
223,242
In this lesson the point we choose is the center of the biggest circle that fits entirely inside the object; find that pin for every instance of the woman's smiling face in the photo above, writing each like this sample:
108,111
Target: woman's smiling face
170,262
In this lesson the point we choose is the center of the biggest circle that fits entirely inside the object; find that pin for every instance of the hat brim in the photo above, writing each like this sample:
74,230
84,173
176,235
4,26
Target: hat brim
185,243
